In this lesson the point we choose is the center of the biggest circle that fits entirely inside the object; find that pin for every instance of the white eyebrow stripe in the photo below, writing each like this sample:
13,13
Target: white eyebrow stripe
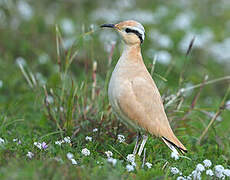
141,31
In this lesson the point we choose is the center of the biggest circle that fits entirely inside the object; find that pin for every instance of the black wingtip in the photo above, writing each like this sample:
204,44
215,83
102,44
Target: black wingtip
179,148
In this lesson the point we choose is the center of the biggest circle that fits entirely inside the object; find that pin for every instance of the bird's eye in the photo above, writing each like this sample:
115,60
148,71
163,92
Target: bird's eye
128,30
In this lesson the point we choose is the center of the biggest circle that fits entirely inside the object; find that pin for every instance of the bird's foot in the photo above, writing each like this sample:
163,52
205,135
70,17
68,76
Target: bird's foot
144,139
137,144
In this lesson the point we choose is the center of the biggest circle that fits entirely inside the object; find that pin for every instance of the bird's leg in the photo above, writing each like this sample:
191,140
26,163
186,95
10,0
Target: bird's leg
143,163
137,143
144,137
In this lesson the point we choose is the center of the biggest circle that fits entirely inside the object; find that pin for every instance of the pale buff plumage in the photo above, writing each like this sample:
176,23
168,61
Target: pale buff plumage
133,94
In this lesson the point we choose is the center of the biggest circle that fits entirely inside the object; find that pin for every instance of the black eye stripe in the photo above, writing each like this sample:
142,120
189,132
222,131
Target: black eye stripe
128,30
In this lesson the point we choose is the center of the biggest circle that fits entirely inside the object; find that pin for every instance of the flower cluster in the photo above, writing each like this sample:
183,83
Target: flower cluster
41,146
2,141
109,154
131,159
18,141
149,165
121,138
95,130
30,154
111,160
71,158
218,171
85,152
66,140
88,138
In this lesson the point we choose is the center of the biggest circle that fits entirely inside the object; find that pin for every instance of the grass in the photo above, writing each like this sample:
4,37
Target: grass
66,95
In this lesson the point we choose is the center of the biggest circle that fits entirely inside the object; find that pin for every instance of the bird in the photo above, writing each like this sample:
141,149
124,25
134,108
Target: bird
133,94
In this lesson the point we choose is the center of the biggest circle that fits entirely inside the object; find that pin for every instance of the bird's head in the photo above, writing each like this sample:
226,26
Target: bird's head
131,31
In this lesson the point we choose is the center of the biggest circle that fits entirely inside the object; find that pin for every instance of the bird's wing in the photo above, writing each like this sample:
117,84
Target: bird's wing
141,102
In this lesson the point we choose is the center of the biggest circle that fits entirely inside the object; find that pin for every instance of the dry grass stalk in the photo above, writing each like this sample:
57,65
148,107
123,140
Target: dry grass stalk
219,111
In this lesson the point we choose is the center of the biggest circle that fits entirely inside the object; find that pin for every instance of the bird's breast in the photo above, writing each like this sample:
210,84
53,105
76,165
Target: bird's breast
118,86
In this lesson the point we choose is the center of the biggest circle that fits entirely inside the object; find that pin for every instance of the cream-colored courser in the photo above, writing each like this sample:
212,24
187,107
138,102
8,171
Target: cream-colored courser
132,92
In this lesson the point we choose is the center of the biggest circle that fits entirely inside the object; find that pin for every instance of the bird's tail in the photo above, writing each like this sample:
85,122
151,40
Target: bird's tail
174,144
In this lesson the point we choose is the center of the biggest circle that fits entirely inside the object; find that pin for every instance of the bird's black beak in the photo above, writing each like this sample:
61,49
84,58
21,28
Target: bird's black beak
108,25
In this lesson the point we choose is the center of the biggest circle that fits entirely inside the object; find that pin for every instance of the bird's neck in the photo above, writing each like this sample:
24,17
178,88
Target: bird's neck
132,53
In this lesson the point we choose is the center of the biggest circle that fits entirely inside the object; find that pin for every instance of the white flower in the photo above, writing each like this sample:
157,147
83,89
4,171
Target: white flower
209,172
227,104
196,175
121,138
18,141
202,40
43,58
219,170
67,139
73,161
41,145
164,57
200,168
129,168
67,26
161,11
165,41
20,61
69,155
227,172
95,130
180,178
189,177
2,141
50,99
92,27
25,10
130,158
58,142
149,165
144,16
30,154
41,79
183,21
61,109
38,145
1,83
85,152
207,163
124,4
108,154
68,42
161,39
88,138
174,155
112,161
220,50
174,170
